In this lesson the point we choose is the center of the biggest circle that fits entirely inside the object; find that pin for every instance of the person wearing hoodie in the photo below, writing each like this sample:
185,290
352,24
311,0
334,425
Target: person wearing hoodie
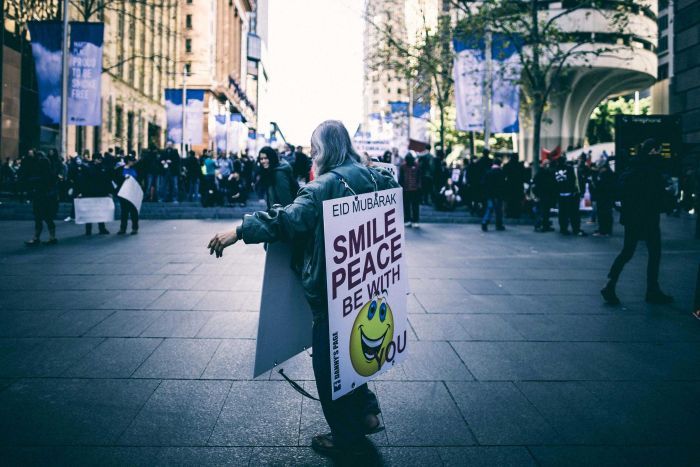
276,176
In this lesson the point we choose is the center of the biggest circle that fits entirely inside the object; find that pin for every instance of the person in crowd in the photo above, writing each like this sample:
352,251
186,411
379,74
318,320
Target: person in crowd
425,166
39,178
476,178
354,415
238,193
386,157
126,207
94,182
193,173
604,184
170,173
224,168
287,154
514,195
641,195
209,192
151,168
493,189
276,178
449,195
545,189
302,166
567,187
409,179
248,174
7,176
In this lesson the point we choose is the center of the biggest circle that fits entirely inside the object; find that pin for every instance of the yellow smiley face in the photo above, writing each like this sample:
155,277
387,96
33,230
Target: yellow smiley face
372,332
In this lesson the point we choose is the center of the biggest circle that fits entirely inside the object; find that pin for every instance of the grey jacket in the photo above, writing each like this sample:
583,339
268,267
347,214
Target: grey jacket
304,219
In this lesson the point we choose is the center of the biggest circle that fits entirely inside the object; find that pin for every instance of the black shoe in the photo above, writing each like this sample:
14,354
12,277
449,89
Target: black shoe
565,232
325,445
33,242
372,424
134,232
121,232
500,228
51,241
609,295
104,232
485,227
658,298
581,233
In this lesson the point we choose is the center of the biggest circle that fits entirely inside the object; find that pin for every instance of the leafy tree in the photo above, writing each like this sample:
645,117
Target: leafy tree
601,128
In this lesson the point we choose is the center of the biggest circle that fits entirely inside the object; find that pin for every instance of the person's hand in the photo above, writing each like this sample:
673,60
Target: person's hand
221,241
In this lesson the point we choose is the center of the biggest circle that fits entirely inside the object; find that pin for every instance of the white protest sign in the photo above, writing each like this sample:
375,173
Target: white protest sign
90,210
386,166
366,284
132,192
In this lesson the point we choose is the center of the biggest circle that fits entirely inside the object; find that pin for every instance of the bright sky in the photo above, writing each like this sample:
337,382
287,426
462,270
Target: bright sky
315,50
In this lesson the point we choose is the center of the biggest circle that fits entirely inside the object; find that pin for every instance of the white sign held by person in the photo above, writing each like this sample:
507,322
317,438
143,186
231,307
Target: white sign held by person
367,286
132,192
90,210
391,168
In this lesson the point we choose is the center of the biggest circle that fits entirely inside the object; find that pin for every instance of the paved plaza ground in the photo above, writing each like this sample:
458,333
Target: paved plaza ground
139,351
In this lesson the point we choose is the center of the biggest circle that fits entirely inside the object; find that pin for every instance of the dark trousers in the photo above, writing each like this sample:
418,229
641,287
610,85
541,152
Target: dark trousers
493,205
344,415
544,206
427,190
604,210
411,206
44,209
652,236
569,214
101,226
128,210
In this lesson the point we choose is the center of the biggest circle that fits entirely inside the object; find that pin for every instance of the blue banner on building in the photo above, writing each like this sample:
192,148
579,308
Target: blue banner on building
220,126
195,116
469,73
84,74
46,37
505,97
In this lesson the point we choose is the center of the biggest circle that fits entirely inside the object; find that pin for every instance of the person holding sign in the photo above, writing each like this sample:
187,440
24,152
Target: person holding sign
127,207
339,173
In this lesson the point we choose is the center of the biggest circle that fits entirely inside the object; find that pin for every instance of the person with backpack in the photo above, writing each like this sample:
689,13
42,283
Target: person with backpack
276,176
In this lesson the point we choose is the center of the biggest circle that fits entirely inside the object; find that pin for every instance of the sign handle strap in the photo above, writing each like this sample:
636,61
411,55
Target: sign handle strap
296,386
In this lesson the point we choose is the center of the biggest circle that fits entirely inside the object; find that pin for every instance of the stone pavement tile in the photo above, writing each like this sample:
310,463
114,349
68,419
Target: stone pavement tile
258,413
69,411
125,323
487,456
298,368
227,283
579,456
488,327
498,414
414,306
178,358
480,304
73,323
582,304
177,268
662,455
574,412
114,358
437,327
553,286
496,361
132,281
6,383
179,413
177,300
176,282
22,323
484,287
44,357
435,286
80,455
277,456
421,414
432,361
642,415
405,456
230,325
177,324
227,301
234,359
204,456
131,299
53,299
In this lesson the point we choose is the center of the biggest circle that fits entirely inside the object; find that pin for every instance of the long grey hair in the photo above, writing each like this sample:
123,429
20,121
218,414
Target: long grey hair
331,146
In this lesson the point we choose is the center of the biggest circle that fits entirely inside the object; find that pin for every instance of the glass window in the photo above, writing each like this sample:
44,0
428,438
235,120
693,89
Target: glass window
188,21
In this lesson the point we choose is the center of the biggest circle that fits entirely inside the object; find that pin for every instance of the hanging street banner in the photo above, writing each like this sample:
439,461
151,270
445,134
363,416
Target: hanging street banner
237,133
419,136
366,286
220,126
195,116
85,74
399,125
46,40
505,96
469,74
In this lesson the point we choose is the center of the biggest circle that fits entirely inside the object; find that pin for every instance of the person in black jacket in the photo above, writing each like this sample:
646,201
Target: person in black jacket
604,190
545,189
276,178
493,189
94,182
302,166
642,194
170,163
40,179
567,187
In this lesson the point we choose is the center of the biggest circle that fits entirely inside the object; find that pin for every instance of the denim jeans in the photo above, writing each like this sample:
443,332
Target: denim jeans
493,205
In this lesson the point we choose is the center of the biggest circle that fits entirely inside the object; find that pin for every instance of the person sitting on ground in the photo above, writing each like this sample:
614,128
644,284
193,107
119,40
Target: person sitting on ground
449,195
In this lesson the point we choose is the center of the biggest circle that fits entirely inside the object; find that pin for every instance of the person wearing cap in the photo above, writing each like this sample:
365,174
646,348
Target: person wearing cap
127,208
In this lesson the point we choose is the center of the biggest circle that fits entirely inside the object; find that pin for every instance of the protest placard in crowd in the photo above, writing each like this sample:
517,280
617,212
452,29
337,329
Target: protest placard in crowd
366,285
132,192
91,210
391,168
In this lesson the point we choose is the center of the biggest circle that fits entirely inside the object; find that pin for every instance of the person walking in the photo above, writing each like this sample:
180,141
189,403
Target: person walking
278,183
410,180
545,189
604,187
493,189
425,164
567,187
193,173
39,179
126,207
642,196
338,172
